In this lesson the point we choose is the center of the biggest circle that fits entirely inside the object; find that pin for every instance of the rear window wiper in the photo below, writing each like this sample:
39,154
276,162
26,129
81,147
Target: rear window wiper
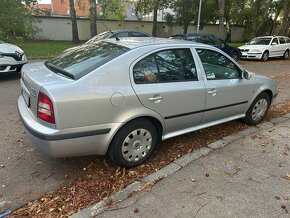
57,69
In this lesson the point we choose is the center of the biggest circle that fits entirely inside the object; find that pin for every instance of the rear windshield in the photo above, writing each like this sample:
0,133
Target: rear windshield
79,61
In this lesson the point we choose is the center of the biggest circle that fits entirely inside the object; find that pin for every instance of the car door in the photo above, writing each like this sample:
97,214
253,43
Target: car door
282,45
227,93
168,82
274,48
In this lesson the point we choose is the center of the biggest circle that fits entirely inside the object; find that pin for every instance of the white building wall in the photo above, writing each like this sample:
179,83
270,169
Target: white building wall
59,28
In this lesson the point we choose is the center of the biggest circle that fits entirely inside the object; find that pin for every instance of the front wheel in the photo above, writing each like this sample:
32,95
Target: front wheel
265,56
133,144
257,110
286,55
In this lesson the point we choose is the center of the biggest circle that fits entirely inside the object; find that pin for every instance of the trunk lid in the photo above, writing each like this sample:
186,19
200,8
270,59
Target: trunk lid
34,77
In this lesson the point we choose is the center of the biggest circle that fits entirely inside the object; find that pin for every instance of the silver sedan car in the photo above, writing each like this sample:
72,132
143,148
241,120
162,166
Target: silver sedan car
123,97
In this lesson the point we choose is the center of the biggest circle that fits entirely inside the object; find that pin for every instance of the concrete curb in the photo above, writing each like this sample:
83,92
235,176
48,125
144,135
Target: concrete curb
173,167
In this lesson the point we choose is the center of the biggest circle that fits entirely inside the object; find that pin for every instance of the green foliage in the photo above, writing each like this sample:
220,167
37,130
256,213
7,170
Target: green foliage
185,12
16,20
147,6
120,10
113,9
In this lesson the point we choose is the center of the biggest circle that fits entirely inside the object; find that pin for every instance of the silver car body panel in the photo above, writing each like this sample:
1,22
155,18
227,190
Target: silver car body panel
90,111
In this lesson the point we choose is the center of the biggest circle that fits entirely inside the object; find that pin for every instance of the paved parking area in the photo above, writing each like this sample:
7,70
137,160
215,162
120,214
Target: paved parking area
26,174
248,177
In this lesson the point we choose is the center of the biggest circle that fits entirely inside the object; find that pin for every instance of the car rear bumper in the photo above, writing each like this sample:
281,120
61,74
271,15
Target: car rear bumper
67,142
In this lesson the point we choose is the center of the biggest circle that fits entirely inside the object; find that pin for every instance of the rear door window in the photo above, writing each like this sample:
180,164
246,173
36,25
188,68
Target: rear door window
171,65
282,40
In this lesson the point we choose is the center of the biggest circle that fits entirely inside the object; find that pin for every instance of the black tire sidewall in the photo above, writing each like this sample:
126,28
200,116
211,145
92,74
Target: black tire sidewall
248,119
115,149
284,55
263,56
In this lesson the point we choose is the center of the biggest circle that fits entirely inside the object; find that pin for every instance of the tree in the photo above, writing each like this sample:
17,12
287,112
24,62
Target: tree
185,12
75,33
149,6
286,20
113,9
93,18
221,7
16,19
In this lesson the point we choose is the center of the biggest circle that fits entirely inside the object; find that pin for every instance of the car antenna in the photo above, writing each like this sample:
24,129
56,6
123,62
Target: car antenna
117,39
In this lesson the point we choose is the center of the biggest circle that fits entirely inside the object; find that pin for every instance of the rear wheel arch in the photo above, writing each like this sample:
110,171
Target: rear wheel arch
151,125
286,54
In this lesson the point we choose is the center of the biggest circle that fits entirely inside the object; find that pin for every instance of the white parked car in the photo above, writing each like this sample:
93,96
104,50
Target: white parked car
265,47
12,58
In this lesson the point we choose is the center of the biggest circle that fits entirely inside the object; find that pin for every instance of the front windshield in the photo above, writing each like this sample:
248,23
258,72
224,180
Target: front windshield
79,61
260,41
98,37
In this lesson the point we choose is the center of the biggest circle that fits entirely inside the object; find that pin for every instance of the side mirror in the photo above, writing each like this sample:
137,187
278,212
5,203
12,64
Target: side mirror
274,43
246,75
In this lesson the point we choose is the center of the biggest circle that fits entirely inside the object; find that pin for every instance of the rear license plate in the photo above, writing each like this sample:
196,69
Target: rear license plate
26,96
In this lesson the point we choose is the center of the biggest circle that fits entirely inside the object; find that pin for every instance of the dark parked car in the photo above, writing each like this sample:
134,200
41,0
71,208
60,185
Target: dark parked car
211,40
119,34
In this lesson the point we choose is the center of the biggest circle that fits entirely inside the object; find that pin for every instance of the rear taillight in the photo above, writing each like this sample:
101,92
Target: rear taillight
45,108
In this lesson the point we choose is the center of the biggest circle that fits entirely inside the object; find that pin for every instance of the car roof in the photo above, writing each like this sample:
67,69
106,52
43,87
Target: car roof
135,42
193,34
271,36
127,30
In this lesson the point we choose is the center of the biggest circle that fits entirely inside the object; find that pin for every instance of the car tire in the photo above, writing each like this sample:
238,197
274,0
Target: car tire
265,56
133,144
235,56
258,109
286,55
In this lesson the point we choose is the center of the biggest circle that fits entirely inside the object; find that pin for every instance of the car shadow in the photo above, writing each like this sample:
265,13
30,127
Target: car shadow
9,76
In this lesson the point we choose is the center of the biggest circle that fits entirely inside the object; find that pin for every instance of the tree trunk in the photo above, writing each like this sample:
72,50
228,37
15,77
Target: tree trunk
75,33
93,18
255,15
155,9
273,28
221,6
285,22
185,27
266,13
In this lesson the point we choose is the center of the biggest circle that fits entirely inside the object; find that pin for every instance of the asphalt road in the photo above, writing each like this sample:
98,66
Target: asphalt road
26,174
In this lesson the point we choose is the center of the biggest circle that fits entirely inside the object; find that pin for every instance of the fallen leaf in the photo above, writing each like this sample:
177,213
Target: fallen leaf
287,176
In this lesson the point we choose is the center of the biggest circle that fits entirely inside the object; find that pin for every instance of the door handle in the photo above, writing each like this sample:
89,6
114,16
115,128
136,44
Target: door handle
212,92
156,98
